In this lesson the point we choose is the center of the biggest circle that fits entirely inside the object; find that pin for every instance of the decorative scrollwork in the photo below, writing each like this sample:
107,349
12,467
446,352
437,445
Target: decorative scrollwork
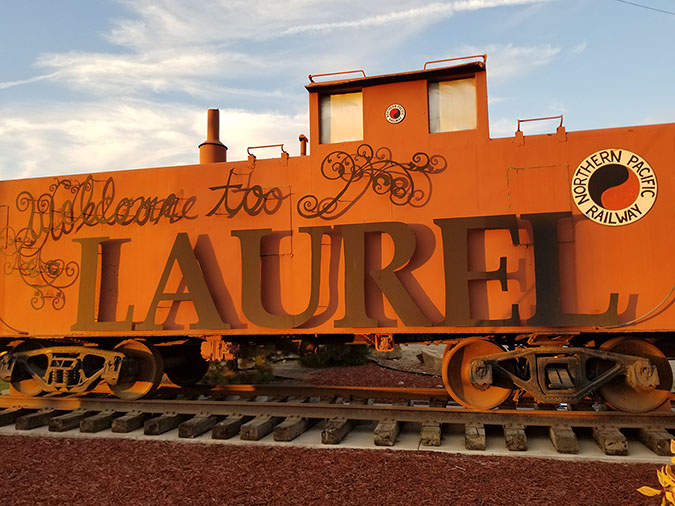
47,277
25,252
405,183
65,208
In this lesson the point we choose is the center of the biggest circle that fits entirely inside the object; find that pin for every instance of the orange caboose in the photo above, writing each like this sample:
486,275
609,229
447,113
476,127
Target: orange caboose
543,261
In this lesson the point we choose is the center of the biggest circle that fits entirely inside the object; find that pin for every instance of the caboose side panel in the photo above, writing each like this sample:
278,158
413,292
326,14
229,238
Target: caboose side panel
120,270
402,230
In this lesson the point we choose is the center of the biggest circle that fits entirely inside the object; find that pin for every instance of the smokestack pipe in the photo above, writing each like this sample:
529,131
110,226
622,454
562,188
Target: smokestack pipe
212,150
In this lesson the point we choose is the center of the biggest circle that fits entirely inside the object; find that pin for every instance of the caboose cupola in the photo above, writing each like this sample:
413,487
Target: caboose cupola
407,111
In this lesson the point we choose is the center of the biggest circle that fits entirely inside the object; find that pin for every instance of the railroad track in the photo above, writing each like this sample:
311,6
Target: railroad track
287,411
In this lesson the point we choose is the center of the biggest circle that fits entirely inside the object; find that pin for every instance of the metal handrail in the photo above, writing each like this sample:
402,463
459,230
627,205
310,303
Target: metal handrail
248,149
484,56
540,119
312,76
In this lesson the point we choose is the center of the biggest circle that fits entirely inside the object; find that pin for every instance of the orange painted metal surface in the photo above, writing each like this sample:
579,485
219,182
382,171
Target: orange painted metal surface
399,233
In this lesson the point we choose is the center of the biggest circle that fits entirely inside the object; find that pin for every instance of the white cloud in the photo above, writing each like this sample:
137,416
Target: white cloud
190,72
179,22
557,107
665,115
492,100
579,48
426,13
508,61
112,135
503,127
197,48
11,84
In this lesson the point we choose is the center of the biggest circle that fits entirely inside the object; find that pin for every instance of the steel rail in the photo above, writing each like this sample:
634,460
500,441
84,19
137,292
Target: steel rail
323,390
326,410
300,389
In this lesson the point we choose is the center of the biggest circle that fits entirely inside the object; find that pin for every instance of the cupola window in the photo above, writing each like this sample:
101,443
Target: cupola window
341,117
452,105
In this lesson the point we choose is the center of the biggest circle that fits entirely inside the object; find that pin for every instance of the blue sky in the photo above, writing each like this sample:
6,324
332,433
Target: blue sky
91,85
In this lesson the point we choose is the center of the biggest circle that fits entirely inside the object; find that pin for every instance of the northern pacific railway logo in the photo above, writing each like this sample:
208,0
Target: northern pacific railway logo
614,187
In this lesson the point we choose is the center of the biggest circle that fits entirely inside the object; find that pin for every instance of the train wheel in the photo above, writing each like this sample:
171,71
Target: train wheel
456,375
148,375
188,365
449,346
23,383
621,396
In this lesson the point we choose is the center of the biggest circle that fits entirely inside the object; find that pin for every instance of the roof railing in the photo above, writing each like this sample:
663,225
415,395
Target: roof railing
540,119
284,153
483,56
312,76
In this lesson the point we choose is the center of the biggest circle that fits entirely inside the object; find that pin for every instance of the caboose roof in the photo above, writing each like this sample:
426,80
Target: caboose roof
442,73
